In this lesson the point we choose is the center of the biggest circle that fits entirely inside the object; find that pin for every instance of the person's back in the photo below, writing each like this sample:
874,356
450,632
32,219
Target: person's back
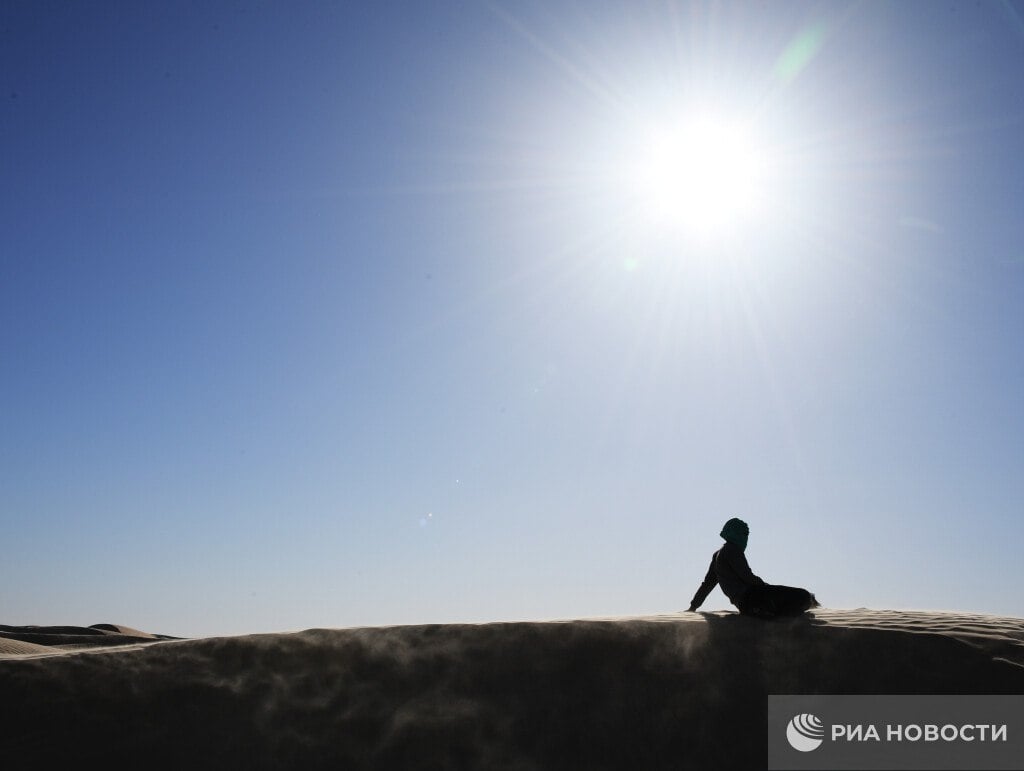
733,572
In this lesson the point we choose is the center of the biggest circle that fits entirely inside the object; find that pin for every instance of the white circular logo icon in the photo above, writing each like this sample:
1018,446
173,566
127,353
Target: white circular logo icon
805,732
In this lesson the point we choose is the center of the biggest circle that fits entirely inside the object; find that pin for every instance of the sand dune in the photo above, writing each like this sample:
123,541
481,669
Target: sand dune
679,691
52,638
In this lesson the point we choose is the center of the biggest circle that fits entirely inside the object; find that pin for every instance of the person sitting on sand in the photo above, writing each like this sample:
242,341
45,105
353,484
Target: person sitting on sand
753,597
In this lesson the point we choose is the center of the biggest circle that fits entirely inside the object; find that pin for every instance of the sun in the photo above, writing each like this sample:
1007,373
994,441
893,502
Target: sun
703,174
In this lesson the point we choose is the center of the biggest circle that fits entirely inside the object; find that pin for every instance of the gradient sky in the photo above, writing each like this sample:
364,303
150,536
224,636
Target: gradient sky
338,314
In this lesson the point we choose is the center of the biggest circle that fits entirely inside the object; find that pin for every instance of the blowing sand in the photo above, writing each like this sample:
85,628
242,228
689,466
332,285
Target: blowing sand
679,691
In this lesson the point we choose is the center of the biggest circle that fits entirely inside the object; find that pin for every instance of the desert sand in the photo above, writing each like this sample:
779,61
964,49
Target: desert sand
679,690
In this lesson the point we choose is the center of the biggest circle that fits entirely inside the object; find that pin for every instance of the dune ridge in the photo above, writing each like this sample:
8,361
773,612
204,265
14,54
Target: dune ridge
675,690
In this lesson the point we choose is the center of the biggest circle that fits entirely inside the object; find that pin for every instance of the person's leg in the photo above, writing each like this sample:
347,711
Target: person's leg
791,601
768,601
758,601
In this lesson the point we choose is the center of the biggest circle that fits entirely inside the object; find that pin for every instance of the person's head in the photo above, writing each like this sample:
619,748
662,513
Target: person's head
736,531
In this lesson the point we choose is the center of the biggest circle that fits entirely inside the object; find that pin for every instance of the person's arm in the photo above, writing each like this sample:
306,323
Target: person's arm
710,580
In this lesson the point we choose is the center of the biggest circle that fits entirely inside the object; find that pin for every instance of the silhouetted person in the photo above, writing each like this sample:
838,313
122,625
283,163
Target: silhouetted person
729,569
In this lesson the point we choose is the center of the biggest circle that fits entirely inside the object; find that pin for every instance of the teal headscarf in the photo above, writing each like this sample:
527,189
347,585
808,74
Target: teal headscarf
736,531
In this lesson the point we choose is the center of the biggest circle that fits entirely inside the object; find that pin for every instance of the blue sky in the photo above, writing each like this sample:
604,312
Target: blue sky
339,314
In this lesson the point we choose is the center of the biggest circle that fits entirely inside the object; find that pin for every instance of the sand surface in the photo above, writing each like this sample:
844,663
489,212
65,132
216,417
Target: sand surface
678,690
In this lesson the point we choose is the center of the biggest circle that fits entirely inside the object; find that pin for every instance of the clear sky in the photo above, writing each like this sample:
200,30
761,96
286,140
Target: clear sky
335,314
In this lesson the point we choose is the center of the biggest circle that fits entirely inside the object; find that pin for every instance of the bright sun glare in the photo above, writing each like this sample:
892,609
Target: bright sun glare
702,174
